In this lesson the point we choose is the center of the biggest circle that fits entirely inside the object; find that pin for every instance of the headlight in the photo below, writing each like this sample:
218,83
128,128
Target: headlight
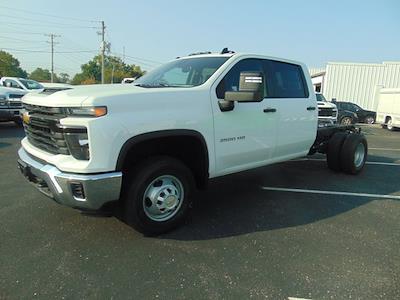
3,100
77,142
89,111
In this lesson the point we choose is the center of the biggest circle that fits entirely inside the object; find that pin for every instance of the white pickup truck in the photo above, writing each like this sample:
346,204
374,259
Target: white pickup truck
150,144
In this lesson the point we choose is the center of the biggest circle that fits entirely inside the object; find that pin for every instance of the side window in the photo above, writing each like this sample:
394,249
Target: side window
11,83
231,80
285,80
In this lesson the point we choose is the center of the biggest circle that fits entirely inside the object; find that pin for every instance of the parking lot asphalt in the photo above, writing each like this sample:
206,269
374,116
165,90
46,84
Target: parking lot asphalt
244,241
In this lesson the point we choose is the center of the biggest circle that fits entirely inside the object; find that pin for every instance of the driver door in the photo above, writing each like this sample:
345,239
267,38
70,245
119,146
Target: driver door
245,137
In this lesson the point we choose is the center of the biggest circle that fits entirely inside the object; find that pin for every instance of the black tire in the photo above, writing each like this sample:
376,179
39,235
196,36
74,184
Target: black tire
346,121
334,148
137,184
350,162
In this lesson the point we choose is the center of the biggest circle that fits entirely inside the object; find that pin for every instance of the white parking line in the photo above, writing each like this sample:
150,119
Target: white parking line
271,188
383,149
367,162
295,298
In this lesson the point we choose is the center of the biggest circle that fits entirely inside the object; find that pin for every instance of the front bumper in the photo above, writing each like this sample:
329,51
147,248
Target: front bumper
98,189
8,114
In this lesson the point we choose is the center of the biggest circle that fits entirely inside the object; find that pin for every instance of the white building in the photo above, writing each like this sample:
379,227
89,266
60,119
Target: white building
356,82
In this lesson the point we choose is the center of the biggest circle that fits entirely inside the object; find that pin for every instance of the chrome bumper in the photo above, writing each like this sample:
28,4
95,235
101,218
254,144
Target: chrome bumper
98,189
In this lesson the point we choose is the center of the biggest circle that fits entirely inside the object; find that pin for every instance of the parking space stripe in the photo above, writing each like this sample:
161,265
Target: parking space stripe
367,162
307,191
384,149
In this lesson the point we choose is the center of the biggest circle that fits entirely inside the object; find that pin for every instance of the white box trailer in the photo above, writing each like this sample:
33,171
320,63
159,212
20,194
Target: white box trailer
388,112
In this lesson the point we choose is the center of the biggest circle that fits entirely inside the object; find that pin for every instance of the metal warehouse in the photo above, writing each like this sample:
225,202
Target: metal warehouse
359,83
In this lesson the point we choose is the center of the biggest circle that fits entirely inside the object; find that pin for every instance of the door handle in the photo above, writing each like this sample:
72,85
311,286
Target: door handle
269,109
311,108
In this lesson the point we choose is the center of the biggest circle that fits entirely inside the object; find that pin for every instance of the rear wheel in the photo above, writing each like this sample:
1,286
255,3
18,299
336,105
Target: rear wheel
157,197
370,120
334,149
353,153
346,121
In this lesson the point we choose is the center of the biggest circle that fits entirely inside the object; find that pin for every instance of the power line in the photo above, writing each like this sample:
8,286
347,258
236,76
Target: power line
46,15
35,20
44,51
140,58
21,40
45,25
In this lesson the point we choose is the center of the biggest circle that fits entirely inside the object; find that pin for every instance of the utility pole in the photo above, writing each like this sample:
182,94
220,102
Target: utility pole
103,49
52,36
123,54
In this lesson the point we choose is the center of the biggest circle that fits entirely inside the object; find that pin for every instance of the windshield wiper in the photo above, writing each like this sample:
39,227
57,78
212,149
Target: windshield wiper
158,85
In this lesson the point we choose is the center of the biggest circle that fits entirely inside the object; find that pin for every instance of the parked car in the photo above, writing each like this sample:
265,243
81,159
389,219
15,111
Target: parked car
28,85
11,104
327,111
149,145
363,115
388,114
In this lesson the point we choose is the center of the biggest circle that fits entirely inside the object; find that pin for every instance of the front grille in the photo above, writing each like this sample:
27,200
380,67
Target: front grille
17,104
43,129
15,96
327,112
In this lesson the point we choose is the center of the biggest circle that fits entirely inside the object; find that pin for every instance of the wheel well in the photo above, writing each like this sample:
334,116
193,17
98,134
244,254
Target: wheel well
387,119
186,145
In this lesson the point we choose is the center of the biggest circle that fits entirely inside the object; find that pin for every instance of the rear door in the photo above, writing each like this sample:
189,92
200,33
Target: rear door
296,108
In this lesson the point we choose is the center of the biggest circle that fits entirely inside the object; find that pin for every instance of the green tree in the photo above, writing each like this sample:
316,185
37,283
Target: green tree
10,66
63,78
40,74
114,71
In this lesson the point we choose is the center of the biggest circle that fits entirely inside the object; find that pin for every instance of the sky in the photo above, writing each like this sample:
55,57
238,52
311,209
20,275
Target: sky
153,32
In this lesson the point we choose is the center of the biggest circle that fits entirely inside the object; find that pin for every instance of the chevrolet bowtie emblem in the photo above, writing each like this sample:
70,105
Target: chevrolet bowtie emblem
26,118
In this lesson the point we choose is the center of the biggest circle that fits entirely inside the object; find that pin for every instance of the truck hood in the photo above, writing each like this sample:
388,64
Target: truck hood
98,94
323,104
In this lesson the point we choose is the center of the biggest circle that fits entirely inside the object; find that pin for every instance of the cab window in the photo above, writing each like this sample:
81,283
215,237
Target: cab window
285,80
11,83
230,83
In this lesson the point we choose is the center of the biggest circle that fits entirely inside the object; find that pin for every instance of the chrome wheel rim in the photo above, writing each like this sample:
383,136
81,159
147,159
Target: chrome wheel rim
370,120
389,124
163,198
359,155
346,121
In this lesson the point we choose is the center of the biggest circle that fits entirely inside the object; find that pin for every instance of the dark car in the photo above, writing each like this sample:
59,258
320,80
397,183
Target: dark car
364,116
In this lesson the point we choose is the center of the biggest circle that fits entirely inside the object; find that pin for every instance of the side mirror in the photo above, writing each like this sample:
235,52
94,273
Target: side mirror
251,88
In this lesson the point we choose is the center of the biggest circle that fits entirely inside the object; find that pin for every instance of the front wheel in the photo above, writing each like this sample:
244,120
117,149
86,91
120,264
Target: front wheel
389,125
346,121
157,197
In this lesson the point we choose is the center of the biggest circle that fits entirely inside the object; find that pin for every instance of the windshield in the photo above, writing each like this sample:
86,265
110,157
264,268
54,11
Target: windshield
31,84
320,97
182,72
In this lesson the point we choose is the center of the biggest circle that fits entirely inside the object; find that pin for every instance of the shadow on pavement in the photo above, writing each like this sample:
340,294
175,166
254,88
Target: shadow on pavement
11,130
236,204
